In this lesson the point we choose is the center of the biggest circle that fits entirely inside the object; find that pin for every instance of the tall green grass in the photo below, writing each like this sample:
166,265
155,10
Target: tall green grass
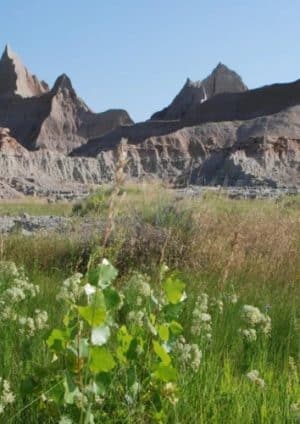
218,245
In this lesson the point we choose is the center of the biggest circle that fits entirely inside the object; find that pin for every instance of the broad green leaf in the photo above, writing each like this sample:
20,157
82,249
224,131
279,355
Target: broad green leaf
132,350
161,353
165,372
71,390
101,360
57,339
175,328
103,275
172,312
102,382
163,331
94,315
152,318
112,298
124,339
174,289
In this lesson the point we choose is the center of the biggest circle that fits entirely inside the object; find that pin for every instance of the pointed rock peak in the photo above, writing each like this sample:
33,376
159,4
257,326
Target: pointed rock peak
63,82
15,79
9,55
221,66
223,80
7,51
64,85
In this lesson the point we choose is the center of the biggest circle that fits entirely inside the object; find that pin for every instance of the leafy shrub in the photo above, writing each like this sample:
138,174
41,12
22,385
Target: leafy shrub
117,346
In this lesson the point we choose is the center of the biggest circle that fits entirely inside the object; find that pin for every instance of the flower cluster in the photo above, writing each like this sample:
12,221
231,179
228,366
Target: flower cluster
6,395
188,355
218,304
170,392
295,409
15,289
139,284
201,319
255,378
256,321
136,318
232,298
71,289
249,334
30,326
9,269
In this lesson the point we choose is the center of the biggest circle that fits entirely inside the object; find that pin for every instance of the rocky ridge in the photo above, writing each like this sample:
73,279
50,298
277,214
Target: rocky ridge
15,79
221,80
55,119
215,132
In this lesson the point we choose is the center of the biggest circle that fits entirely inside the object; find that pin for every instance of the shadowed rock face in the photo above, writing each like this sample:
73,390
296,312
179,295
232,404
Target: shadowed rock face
221,80
15,79
215,132
55,119
263,151
241,106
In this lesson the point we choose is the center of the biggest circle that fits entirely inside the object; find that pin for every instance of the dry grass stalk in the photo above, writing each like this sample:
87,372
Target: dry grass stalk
118,182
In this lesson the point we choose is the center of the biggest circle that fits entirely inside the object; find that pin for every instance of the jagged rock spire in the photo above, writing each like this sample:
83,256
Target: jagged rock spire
15,79
221,80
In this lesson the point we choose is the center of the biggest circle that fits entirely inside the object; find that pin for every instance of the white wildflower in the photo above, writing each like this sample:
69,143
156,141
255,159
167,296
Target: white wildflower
136,318
6,395
9,269
201,319
196,356
41,318
188,355
249,334
15,294
140,285
255,318
218,304
169,391
100,335
232,298
71,289
255,378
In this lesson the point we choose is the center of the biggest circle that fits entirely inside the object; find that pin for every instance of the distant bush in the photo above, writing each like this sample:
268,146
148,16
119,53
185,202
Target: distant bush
97,203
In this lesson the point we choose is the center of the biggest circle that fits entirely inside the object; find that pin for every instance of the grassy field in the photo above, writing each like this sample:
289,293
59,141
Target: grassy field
34,206
226,253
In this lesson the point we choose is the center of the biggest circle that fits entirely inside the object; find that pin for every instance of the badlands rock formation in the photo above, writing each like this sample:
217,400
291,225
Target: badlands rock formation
15,79
215,132
55,119
221,80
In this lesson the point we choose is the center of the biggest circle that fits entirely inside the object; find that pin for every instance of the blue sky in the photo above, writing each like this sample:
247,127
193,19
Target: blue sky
136,55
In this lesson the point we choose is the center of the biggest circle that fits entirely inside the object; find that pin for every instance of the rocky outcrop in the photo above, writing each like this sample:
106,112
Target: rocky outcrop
15,79
251,104
263,151
216,132
221,80
55,119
